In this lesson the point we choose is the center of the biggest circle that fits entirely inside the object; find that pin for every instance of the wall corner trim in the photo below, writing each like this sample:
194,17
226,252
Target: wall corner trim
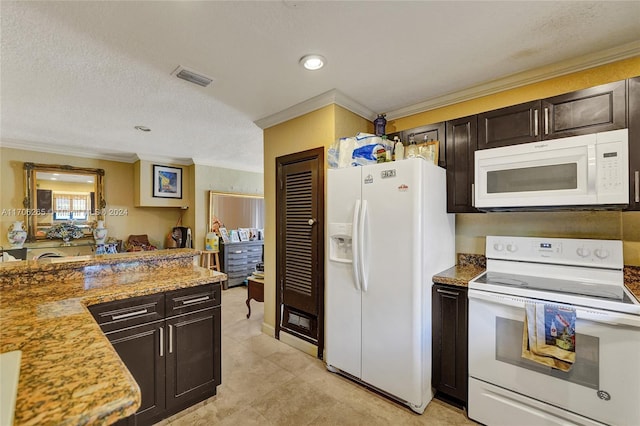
327,98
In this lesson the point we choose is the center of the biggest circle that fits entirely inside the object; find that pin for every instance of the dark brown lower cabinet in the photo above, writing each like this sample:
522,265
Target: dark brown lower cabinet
193,357
139,349
449,346
170,342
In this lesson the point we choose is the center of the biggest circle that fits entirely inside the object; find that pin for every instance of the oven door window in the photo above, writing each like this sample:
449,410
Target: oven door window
585,370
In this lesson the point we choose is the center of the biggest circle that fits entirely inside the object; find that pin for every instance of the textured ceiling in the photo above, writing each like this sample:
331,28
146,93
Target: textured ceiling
78,76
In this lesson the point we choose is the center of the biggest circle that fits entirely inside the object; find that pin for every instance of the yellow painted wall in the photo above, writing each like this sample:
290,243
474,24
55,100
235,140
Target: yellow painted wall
319,128
143,186
119,190
322,127
556,86
472,228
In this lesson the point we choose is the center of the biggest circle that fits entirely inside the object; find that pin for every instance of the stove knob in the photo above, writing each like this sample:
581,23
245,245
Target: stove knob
601,253
583,252
512,248
498,247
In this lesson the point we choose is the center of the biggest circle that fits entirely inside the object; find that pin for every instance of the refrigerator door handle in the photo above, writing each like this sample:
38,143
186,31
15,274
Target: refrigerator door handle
354,245
361,231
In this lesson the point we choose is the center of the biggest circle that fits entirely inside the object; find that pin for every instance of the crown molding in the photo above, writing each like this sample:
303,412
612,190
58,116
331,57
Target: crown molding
327,98
92,153
537,75
182,161
227,165
68,150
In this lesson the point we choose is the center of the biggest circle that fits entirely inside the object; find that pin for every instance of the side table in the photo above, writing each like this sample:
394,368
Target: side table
255,291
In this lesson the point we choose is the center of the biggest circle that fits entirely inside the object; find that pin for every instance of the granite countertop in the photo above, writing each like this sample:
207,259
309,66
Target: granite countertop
470,266
70,373
458,275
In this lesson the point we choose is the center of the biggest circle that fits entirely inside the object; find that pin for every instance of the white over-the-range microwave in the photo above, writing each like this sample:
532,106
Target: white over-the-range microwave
588,171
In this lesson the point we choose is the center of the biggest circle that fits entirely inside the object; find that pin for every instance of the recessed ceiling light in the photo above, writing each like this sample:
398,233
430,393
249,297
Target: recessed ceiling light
313,62
142,128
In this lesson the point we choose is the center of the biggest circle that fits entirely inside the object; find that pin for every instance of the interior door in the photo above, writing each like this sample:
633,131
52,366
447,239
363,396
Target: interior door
300,246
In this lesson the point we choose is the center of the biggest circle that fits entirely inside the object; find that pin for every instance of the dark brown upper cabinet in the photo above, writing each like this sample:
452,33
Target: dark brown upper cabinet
597,109
634,143
509,126
432,132
461,143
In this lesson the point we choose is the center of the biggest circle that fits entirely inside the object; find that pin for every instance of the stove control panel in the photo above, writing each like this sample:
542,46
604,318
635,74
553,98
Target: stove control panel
562,251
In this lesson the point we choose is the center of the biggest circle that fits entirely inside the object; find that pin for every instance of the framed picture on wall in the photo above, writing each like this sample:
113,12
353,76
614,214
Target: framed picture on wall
167,181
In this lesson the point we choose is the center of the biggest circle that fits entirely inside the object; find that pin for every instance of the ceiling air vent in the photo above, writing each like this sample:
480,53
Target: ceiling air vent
192,76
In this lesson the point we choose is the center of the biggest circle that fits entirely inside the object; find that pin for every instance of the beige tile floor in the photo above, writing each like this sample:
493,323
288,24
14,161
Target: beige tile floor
266,382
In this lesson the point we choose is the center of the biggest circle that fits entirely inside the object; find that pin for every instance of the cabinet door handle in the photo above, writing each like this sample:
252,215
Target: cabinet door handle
636,178
129,314
238,252
170,339
450,293
473,195
546,121
535,122
199,299
161,341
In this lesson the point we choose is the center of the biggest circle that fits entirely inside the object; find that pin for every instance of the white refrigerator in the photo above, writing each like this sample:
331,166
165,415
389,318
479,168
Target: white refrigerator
388,233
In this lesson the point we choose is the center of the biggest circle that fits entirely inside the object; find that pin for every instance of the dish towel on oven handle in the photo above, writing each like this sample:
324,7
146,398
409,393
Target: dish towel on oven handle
549,335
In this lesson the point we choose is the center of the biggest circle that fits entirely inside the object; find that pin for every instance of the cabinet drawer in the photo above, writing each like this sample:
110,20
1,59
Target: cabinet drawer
192,299
128,312
233,256
235,268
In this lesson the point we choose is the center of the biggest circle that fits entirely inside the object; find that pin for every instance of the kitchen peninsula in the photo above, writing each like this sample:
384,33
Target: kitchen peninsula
70,373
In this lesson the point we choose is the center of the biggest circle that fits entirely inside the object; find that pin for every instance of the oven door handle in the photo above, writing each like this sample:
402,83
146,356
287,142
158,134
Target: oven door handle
588,314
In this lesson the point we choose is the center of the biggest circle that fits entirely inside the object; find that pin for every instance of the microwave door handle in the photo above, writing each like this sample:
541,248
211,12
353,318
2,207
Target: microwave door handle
591,169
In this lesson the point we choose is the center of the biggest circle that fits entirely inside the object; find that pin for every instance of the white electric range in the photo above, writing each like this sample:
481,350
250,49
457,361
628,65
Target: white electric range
585,276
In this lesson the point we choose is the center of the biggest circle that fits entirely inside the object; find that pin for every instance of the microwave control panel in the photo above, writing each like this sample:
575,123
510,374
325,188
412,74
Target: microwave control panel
610,170
612,164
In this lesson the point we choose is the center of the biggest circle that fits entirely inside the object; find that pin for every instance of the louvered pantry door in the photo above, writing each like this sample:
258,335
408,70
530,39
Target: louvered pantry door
300,245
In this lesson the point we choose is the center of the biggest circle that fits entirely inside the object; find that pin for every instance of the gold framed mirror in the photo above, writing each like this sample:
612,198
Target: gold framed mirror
60,194
236,210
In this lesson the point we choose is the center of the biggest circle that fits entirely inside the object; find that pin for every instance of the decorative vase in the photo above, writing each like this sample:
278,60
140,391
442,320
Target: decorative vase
100,233
17,235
